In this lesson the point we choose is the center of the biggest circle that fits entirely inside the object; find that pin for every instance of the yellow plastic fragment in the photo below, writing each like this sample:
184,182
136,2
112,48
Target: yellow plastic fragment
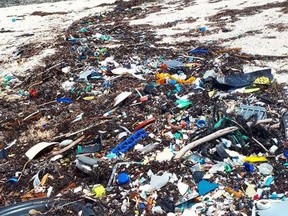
236,194
262,80
211,93
255,159
99,191
251,90
161,79
88,98
194,64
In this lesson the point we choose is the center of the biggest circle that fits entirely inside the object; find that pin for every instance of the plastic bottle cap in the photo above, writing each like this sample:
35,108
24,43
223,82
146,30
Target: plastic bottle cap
265,169
201,123
123,178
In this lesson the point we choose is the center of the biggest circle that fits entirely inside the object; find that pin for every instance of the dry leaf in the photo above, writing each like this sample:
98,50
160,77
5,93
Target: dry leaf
34,212
44,179
32,195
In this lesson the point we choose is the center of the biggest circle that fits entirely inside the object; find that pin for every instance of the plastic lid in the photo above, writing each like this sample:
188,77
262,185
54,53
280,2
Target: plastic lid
123,178
265,169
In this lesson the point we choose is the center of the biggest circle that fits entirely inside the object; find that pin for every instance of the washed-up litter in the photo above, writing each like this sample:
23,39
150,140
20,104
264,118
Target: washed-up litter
124,126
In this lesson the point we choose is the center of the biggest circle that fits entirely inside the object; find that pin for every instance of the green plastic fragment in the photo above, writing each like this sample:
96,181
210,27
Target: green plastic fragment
183,103
178,135
87,88
227,168
79,149
103,50
73,90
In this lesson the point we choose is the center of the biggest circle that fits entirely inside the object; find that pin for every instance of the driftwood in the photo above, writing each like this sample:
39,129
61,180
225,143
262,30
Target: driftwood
198,142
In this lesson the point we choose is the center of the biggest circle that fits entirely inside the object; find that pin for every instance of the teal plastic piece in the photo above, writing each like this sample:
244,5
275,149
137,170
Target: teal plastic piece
182,103
205,187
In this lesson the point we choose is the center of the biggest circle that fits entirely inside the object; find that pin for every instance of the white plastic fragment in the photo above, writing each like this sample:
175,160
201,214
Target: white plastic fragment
157,209
78,117
250,190
182,187
77,189
65,142
56,157
67,85
36,179
34,150
220,166
147,148
273,149
157,182
263,204
124,206
121,135
121,97
66,69
49,191
189,212
166,155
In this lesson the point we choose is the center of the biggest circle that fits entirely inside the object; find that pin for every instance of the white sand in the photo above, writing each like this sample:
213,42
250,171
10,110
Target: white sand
45,29
265,42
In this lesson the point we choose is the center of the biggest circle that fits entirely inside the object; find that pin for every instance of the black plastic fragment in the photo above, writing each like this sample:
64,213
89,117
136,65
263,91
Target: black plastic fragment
23,208
3,154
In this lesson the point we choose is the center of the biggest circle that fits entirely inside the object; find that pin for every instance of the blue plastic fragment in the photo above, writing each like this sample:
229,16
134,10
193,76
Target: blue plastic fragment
173,64
198,51
268,181
273,196
64,100
130,142
142,206
13,180
205,187
111,156
286,154
178,88
248,167
202,29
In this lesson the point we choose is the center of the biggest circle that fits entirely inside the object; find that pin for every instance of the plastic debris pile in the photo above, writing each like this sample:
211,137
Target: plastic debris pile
117,124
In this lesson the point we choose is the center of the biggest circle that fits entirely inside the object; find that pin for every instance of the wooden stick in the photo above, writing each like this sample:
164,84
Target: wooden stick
212,136
263,121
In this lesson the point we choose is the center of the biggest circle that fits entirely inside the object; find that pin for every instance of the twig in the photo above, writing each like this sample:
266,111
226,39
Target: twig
76,132
24,167
31,115
275,126
260,144
253,138
262,121
212,136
